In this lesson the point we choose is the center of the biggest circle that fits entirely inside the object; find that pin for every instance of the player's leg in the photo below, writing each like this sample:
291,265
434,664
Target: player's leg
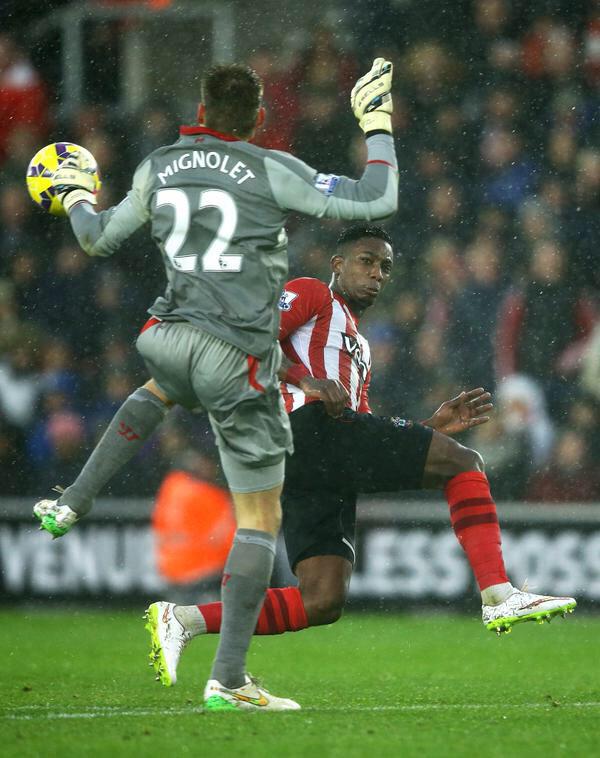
130,428
323,581
459,472
318,526
319,599
246,577
247,415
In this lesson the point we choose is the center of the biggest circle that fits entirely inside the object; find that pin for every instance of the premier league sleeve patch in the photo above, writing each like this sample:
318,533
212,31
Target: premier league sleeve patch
401,423
326,183
286,300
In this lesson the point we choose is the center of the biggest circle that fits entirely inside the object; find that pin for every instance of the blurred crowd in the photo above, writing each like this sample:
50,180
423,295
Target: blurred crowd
495,284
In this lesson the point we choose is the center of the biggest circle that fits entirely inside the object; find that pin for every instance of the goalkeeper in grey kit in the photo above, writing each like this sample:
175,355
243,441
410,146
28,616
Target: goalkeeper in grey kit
217,206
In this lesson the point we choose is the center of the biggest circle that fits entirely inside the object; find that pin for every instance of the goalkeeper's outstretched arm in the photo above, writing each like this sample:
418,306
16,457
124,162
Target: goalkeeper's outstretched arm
297,186
93,233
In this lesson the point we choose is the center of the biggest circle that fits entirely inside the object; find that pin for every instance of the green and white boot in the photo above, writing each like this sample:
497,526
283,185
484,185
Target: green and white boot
249,697
522,606
54,518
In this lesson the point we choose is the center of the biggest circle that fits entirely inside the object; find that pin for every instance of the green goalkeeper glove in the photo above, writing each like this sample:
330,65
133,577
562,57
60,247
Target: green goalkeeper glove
75,181
371,98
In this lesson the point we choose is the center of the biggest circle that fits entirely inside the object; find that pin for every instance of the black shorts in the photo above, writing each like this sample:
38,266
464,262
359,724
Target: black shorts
334,460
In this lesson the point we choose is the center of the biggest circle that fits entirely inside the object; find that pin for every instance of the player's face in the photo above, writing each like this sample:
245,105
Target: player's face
364,271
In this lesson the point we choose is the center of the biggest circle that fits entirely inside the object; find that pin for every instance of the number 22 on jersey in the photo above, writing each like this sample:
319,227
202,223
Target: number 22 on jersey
215,258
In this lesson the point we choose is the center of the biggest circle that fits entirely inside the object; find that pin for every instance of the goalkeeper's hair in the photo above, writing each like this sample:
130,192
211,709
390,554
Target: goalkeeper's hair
232,95
360,231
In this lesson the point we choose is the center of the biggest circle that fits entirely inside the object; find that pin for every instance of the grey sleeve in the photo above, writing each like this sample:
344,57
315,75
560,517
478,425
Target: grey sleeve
103,233
298,187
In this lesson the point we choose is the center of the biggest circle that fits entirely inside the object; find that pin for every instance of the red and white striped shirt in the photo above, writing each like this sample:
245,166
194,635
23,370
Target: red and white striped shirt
319,331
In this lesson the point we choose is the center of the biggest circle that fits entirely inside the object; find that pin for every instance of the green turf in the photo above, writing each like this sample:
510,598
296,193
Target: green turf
78,684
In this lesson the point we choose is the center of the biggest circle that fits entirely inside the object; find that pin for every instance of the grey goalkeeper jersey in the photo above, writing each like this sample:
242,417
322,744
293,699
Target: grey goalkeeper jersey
217,208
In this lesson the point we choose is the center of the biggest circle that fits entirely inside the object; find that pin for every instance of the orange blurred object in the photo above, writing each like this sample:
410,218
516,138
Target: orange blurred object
194,526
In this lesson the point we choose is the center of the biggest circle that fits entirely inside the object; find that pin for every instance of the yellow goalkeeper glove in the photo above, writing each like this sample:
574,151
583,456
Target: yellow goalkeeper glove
76,180
371,98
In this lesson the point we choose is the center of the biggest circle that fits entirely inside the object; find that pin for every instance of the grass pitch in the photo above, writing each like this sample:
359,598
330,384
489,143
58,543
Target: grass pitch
78,684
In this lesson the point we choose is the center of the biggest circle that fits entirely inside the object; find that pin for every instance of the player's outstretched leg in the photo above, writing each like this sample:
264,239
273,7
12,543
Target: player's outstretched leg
172,626
134,422
475,523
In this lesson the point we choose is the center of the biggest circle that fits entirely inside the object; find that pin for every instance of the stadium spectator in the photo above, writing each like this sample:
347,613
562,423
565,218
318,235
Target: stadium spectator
63,445
396,386
570,475
72,273
13,458
25,273
560,153
445,211
57,374
591,47
23,98
582,219
20,385
17,227
522,409
193,527
509,173
544,326
506,450
590,374
473,315
322,133
492,44
316,69
443,271
281,99
21,144
584,418
154,128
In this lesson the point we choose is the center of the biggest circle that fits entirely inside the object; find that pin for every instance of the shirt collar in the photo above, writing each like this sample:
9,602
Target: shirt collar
344,302
190,131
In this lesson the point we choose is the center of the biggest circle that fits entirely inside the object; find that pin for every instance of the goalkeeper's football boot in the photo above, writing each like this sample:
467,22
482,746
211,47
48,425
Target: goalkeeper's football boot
525,606
54,518
168,638
249,697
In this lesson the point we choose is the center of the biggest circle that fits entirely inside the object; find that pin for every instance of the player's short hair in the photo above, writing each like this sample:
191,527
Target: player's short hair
358,232
232,95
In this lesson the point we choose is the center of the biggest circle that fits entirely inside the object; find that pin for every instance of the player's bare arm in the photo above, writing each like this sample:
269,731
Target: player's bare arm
332,394
465,411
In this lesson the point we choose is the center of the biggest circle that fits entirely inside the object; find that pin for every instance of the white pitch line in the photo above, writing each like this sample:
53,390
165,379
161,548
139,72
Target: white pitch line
113,712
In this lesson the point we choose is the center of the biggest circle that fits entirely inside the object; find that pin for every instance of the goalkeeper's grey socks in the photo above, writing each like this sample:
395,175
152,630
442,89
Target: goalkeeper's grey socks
129,429
245,580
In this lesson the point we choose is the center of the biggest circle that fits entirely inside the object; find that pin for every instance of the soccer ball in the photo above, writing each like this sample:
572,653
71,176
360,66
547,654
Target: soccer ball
44,163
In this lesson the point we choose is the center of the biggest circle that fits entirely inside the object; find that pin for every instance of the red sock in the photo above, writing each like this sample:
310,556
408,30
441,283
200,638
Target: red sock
282,611
475,523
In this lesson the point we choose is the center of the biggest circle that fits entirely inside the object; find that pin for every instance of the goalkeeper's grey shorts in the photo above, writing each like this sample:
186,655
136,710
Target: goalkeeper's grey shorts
240,394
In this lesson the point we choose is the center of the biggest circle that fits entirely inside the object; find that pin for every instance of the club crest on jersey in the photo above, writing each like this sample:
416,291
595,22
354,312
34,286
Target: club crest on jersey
286,300
402,423
353,346
326,183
